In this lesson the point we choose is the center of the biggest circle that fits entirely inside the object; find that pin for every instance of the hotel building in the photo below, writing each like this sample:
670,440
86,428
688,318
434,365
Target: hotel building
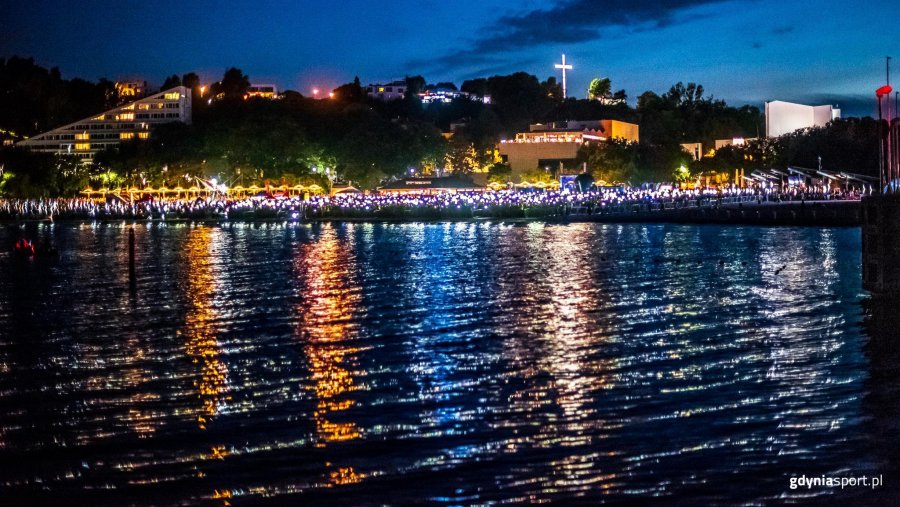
134,120
557,144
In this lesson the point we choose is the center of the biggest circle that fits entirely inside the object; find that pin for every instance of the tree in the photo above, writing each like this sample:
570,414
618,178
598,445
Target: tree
552,89
192,82
350,92
478,86
31,174
614,161
518,99
234,84
499,173
684,96
414,85
461,157
34,99
599,89
171,82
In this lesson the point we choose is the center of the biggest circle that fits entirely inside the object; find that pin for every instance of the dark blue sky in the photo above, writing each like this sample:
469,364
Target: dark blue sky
743,52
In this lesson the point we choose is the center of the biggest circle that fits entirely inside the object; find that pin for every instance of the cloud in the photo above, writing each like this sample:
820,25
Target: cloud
570,21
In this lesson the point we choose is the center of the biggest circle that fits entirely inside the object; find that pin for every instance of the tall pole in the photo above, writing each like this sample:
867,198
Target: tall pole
880,147
887,149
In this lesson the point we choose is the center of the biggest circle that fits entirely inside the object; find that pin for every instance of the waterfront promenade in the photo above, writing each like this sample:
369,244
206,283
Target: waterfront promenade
631,205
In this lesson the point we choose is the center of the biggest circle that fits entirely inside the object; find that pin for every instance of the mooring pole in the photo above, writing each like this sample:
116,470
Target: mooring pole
131,252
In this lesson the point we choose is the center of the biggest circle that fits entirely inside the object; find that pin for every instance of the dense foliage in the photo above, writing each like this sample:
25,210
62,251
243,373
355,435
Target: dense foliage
354,138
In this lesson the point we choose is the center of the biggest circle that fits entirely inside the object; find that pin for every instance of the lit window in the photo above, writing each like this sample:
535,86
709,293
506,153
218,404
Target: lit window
126,135
173,96
143,107
82,146
84,136
125,116
143,135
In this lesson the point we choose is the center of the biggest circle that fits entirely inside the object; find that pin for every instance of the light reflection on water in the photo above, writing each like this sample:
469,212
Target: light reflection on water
452,363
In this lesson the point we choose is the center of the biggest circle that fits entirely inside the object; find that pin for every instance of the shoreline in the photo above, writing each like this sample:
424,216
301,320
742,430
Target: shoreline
784,214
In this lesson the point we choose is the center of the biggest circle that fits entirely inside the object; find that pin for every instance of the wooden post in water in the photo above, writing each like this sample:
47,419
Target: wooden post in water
881,243
131,252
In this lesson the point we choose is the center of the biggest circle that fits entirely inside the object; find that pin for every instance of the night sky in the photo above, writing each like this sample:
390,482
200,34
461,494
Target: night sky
743,52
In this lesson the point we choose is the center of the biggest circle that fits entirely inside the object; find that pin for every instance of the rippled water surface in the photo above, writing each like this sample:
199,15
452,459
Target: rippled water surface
448,363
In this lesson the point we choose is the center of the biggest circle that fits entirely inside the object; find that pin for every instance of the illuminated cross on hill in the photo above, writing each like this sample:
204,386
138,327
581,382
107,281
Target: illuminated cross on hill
564,68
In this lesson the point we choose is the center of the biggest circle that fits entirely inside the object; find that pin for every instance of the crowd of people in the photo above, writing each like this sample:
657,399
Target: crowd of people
500,204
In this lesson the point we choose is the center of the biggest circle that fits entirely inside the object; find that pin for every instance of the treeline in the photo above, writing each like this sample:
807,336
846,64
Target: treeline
34,99
355,138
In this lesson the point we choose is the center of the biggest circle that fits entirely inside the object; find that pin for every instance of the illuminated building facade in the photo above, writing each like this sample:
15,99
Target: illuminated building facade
734,141
265,91
446,96
134,120
786,117
695,150
391,91
554,145
8,137
131,90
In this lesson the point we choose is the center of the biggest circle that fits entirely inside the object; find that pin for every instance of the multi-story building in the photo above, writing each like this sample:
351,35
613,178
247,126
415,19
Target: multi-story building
786,117
556,145
265,91
135,120
391,91
131,90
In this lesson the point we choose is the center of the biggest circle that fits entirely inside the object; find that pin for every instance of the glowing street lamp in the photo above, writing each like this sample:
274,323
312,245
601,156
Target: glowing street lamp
315,92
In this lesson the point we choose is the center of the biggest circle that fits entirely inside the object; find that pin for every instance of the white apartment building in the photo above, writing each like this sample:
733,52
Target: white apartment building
391,91
134,120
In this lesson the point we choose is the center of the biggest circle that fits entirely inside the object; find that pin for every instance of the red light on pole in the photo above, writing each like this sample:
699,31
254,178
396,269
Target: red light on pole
884,90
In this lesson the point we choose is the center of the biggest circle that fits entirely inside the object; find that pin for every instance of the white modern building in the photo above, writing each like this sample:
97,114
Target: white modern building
786,117
134,120
391,91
